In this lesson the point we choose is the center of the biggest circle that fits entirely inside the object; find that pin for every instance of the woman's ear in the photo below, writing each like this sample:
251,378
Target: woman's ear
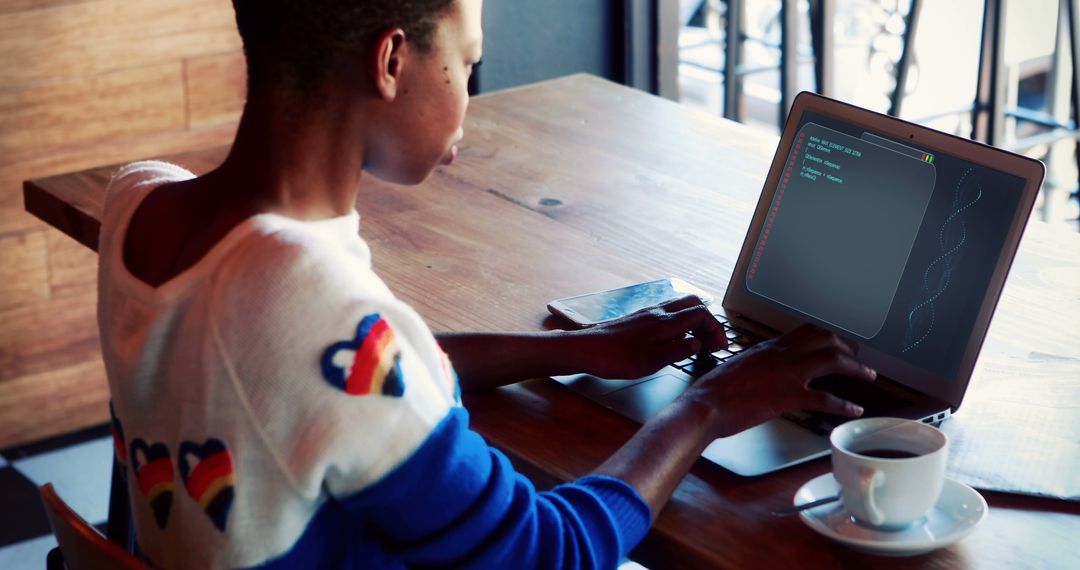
389,61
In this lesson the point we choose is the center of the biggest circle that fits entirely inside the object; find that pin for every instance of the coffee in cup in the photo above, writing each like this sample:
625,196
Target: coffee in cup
890,470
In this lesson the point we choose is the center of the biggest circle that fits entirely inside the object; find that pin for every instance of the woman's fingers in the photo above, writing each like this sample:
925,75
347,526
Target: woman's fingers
826,361
825,402
810,338
832,360
676,351
703,325
663,325
684,302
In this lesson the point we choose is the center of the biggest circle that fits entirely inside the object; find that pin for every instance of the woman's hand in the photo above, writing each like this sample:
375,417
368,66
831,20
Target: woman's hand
631,347
774,376
642,343
770,378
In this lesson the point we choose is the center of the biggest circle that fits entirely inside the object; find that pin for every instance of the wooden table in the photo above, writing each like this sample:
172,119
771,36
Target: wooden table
579,184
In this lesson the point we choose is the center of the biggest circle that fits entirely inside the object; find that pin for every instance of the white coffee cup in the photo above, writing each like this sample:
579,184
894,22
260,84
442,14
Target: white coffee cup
890,470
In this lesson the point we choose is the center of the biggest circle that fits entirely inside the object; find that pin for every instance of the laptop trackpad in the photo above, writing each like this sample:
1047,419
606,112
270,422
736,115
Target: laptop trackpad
761,449
644,400
768,447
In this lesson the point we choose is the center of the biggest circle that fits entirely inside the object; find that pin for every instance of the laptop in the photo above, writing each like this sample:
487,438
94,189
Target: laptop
892,235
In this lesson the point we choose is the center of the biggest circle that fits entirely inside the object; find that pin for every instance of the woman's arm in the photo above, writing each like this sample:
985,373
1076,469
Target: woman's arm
766,380
494,517
631,347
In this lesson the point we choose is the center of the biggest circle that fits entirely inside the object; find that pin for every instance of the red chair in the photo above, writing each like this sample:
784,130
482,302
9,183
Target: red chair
81,546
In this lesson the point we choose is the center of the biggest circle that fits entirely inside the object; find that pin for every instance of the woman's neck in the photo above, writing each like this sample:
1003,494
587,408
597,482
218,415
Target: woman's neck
306,166
300,161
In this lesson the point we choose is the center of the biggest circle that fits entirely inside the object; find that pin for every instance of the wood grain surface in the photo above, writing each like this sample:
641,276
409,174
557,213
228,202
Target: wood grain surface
578,184
42,40
85,83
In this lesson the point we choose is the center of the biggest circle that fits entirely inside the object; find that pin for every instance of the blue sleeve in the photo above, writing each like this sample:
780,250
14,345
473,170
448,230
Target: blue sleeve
459,502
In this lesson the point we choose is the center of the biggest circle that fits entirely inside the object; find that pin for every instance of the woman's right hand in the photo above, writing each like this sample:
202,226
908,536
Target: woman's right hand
774,376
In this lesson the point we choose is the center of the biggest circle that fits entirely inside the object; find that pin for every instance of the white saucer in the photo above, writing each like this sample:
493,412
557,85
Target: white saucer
959,510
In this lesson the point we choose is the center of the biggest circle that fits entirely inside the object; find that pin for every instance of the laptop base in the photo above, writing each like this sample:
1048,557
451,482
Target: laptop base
770,446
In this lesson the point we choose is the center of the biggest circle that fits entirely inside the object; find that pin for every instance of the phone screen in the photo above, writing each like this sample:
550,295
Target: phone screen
607,305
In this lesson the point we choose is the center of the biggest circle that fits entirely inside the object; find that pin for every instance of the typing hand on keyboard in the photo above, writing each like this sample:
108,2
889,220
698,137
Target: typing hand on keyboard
774,376
642,343
738,339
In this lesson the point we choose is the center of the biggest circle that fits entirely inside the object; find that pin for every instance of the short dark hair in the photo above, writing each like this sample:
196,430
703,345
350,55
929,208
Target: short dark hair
292,43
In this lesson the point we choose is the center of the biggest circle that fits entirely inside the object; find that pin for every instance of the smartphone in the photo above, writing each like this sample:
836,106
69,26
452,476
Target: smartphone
602,306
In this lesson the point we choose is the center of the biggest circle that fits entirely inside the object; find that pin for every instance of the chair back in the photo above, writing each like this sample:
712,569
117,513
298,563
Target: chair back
81,545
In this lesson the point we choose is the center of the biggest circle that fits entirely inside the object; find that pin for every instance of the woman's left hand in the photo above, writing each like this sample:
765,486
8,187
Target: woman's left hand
643,342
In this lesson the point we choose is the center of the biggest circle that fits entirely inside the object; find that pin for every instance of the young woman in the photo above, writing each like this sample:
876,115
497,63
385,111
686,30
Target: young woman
277,405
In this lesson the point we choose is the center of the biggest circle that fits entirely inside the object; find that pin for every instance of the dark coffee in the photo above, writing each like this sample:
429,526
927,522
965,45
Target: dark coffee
888,453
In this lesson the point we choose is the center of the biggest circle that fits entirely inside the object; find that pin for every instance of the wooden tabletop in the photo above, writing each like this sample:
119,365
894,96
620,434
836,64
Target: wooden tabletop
579,184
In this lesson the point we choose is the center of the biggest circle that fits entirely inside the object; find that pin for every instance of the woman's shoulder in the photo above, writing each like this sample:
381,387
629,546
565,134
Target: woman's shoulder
145,172
278,245
133,182
288,260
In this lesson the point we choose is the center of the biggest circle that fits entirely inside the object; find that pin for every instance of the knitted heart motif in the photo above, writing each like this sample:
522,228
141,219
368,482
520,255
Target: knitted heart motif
154,475
118,437
207,471
367,364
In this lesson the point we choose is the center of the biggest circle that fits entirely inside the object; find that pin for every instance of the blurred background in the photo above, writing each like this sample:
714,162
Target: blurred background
944,45
853,50
86,83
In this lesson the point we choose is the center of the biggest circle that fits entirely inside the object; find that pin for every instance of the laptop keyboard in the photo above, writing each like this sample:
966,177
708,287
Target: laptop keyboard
738,340
875,401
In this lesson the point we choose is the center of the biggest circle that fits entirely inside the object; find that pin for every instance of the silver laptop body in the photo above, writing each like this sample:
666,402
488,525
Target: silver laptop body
892,235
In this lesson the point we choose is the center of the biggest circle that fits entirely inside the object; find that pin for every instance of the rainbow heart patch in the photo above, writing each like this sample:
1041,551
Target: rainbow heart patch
154,475
207,471
370,363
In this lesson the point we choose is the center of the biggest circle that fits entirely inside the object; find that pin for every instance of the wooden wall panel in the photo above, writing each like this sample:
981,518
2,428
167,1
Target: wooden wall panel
112,152
38,338
85,83
23,5
216,88
91,38
13,217
60,401
24,275
84,111
72,268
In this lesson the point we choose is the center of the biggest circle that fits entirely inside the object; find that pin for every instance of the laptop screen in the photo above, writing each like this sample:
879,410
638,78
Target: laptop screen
882,240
